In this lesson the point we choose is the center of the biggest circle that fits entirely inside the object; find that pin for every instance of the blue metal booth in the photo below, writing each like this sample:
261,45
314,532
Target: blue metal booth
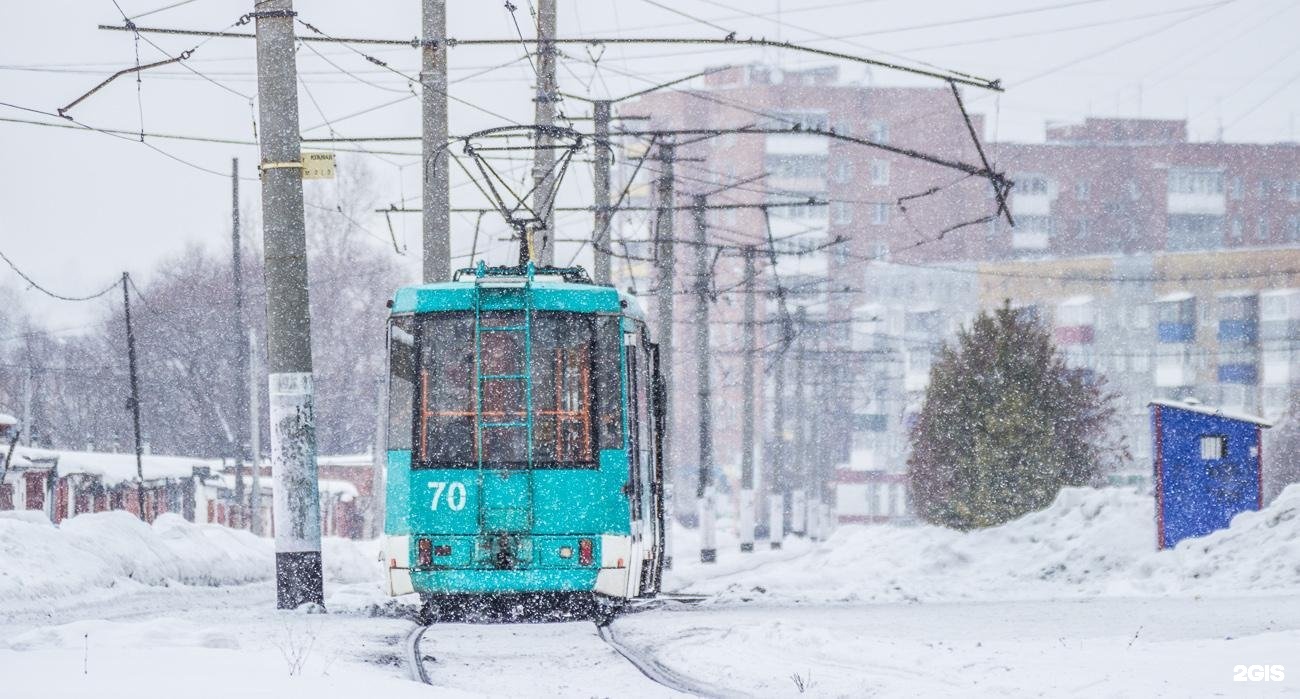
1208,468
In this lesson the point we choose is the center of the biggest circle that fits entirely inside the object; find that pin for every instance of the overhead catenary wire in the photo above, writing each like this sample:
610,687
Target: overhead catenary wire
55,295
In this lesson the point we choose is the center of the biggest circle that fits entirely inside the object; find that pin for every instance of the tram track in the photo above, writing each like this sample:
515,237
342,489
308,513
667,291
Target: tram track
417,661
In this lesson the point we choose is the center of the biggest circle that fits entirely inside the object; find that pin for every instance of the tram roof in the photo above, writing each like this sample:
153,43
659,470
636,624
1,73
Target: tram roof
546,295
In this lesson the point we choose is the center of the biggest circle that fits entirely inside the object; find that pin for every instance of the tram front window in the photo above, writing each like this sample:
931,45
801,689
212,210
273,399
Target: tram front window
575,387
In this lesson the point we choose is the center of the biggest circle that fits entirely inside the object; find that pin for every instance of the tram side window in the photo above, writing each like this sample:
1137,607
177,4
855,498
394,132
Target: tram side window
576,388
446,386
401,382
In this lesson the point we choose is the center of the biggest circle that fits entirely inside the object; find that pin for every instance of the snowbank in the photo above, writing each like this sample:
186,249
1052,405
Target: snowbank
41,563
1087,543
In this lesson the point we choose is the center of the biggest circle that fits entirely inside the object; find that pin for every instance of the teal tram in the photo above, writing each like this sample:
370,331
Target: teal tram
524,440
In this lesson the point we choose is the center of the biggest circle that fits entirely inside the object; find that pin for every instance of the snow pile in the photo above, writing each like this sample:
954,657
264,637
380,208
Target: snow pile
113,550
1089,542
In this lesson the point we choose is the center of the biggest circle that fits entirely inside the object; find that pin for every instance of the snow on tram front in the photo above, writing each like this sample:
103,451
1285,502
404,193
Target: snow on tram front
524,436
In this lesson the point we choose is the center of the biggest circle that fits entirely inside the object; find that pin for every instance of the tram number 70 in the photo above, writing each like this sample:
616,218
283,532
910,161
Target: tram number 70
455,495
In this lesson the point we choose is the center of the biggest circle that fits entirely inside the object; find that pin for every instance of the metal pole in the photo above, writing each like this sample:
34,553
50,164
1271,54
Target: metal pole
746,515
544,157
255,438
778,477
704,488
377,493
435,197
664,324
241,348
601,153
799,494
27,430
134,402
293,428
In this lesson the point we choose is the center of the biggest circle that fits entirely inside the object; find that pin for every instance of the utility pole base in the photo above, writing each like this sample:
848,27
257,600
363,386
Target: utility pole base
708,555
747,547
776,546
298,579
668,562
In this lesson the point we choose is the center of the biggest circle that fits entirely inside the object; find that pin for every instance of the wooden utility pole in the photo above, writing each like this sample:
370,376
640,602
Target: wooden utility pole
746,516
544,157
289,360
134,402
436,192
704,487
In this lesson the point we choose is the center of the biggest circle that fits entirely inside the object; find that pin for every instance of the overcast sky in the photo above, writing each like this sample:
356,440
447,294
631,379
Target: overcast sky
78,208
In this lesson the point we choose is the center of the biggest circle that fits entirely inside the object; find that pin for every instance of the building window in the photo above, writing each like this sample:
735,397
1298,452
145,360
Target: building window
791,209
879,214
1134,193
1142,316
795,166
1082,190
1030,185
805,120
842,212
1235,232
1195,182
1235,188
843,171
879,172
1141,361
878,132
1193,232
1213,446
1293,229
1293,192
1261,229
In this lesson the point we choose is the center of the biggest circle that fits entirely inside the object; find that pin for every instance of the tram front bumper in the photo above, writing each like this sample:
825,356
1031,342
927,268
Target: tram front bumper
436,564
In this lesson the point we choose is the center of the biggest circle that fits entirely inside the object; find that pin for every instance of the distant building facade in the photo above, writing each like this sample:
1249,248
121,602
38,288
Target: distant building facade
1166,266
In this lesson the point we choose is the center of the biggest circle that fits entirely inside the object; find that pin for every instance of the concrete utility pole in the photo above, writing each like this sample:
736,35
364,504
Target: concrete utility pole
664,312
436,195
254,438
544,157
134,402
746,517
798,494
377,493
27,430
704,489
601,153
237,334
778,478
293,425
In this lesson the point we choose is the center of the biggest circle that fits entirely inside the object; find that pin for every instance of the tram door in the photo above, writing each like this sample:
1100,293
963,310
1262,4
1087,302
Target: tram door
641,461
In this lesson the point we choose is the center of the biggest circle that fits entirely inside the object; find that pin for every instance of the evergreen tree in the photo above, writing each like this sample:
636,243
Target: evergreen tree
1005,425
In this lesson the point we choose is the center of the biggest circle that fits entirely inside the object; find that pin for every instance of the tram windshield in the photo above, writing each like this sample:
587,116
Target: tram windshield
575,391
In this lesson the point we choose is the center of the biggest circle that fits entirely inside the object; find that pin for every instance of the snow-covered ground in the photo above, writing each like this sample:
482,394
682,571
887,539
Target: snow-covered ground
1070,600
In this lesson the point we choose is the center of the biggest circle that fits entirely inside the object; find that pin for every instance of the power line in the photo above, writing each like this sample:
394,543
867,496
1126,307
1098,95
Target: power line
61,297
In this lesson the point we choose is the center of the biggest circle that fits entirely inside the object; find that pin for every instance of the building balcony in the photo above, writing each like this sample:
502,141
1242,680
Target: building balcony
1175,332
797,144
1244,373
1174,375
1029,240
1238,331
1281,329
1201,204
1031,204
1074,335
916,380
871,422
1278,372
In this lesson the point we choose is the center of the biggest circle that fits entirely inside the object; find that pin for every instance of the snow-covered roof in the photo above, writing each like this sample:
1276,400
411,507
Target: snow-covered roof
7,420
1176,296
1077,301
1210,410
115,468
1279,292
1236,293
